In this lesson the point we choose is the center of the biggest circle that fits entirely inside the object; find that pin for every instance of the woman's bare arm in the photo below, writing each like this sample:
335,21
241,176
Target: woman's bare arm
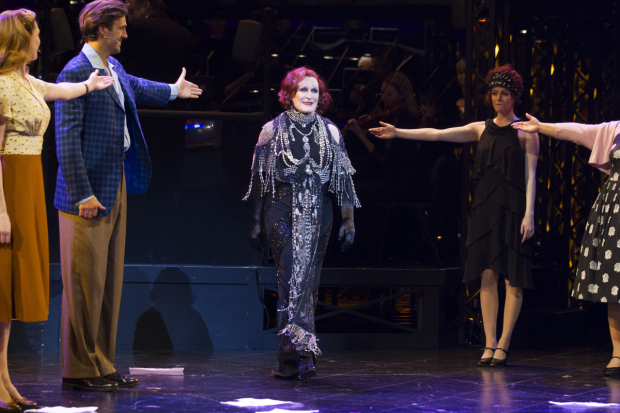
462,134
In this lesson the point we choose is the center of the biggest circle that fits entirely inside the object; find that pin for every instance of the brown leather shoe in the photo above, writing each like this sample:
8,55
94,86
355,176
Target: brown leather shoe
122,381
89,384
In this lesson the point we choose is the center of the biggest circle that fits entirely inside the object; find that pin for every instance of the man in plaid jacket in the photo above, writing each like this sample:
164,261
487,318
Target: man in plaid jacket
102,156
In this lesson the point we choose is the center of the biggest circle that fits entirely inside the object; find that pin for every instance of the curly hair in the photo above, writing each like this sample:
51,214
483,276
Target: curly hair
16,29
290,84
100,13
513,75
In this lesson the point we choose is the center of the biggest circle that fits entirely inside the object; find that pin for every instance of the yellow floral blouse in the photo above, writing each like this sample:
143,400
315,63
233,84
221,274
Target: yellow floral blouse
27,113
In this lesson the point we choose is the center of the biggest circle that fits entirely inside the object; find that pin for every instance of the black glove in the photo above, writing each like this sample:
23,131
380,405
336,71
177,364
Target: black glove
347,229
257,237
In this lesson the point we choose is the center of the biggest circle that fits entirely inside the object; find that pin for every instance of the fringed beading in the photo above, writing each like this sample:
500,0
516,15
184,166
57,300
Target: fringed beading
301,339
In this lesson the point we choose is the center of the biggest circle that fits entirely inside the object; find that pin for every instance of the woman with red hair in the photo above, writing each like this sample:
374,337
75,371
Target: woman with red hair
502,215
299,163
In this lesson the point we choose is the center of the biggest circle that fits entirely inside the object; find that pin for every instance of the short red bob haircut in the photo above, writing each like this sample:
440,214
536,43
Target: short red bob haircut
290,84
513,75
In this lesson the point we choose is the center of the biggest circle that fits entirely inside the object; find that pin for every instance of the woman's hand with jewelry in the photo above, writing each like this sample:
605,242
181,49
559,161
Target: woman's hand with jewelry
532,126
5,228
387,131
527,227
96,82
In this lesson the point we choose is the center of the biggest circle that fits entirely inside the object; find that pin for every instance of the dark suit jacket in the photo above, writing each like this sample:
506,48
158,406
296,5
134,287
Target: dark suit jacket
157,48
90,137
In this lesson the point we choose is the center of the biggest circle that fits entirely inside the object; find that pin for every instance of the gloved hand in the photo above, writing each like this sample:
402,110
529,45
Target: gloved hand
257,237
347,229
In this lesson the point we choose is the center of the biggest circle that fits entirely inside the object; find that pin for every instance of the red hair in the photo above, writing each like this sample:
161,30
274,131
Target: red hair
512,74
290,84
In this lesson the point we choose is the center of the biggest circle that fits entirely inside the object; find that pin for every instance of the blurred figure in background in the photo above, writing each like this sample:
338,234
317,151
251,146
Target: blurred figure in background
157,47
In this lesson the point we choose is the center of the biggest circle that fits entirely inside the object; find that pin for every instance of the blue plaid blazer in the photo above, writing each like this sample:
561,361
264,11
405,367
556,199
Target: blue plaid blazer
90,138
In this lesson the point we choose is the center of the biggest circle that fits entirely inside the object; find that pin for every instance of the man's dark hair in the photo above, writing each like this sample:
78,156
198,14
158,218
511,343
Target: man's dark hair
156,5
100,13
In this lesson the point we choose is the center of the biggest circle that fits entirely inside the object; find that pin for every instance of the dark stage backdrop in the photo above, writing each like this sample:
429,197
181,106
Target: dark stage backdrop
192,212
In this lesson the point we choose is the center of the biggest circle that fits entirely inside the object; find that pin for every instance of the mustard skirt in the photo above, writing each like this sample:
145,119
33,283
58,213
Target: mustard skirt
24,262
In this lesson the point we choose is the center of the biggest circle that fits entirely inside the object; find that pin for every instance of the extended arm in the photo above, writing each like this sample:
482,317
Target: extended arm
462,134
578,133
5,223
532,147
152,93
67,91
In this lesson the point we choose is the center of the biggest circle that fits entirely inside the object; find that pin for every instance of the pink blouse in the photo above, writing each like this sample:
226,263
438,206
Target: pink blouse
598,138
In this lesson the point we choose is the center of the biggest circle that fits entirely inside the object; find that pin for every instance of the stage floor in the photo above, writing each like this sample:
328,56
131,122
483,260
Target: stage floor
356,381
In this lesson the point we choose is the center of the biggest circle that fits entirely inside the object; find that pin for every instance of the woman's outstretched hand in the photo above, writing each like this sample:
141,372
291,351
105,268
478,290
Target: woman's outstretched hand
96,82
527,227
531,126
386,132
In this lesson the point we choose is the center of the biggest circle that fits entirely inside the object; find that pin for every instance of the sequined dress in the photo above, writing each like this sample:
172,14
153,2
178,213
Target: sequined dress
598,271
301,167
494,239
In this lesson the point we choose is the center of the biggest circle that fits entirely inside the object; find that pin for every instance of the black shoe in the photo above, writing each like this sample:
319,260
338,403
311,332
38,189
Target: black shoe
122,381
500,362
10,408
286,372
89,384
307,366
25,404
487,360
612,371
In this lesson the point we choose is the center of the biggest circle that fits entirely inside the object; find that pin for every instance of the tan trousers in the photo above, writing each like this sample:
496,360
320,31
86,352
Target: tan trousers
92,255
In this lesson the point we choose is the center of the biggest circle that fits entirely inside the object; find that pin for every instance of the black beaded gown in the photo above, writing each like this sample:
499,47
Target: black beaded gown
598,271
300,172
494,239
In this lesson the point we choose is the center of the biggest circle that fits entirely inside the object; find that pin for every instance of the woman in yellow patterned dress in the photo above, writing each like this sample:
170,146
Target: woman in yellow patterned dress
24,116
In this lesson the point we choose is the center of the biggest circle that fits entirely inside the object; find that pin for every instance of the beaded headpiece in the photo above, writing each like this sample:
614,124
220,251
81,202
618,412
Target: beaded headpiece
505,81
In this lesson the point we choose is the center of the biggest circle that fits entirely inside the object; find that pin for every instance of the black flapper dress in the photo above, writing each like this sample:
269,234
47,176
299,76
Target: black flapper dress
494,239
301,168
598,271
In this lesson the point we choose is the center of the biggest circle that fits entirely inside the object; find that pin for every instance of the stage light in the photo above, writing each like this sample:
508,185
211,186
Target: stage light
301,55
496,50
253,91
274,55
552,69
523,31
328,57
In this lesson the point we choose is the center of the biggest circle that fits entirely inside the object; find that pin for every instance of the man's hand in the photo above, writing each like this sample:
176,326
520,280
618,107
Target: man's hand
90,208
5,228
187,89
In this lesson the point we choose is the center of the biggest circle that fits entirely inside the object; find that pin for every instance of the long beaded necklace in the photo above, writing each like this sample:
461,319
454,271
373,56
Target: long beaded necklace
320,137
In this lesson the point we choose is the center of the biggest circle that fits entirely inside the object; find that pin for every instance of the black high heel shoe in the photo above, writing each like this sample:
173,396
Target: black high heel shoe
487,360
612,371
307,366
500,362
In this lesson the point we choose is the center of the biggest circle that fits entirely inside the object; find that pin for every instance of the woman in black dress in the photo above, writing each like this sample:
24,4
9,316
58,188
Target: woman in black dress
299,162
502,216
